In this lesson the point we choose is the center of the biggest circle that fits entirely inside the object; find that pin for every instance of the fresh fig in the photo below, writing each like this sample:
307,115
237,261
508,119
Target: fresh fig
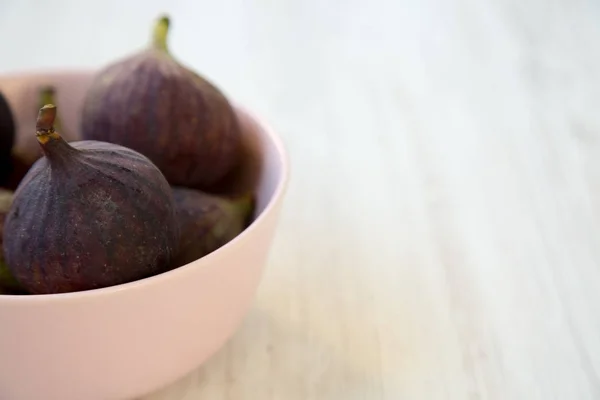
7,139
151,103
207,221
8,283
88,215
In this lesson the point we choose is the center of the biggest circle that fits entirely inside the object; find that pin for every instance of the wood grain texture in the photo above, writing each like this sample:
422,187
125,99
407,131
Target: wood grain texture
440,239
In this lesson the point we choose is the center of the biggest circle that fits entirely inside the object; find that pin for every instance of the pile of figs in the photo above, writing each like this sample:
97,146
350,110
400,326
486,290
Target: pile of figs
134,196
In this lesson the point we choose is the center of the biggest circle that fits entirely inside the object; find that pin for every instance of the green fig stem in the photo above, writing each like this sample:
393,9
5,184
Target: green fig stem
45,120
161,31
46,95
53,145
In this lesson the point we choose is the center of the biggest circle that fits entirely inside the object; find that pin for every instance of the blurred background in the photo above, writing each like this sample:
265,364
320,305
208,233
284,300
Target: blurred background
344,80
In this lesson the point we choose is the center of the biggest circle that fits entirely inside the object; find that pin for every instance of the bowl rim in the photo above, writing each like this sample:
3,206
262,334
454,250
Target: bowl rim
278,194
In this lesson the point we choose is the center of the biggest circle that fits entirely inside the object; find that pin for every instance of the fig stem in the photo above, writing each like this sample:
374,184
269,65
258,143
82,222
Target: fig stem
45,120
53,145
46,95
161,31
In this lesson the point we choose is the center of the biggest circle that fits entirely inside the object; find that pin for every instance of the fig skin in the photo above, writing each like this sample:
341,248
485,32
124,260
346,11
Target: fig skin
88,215
8,283
7,139
208,221
151,103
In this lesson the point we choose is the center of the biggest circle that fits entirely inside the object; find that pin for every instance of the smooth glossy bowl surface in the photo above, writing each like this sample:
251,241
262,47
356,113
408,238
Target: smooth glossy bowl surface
129,340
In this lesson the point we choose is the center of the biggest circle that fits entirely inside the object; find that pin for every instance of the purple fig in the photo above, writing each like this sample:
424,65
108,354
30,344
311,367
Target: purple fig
8,283
207,221
88,215
7,139
151,103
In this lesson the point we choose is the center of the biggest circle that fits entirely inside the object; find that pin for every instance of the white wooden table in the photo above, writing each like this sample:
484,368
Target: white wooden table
440,238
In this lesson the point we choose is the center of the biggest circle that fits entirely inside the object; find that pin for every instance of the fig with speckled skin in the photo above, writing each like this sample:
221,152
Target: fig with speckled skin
151,103
8,283
7,139
207,221
88,215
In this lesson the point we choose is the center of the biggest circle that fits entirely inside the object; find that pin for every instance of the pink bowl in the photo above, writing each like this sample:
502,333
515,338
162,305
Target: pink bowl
129,340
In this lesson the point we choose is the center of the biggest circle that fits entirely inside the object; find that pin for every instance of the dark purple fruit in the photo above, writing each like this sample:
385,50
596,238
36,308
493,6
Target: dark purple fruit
207,222
88,215
7,139
18,171
151,103
8,283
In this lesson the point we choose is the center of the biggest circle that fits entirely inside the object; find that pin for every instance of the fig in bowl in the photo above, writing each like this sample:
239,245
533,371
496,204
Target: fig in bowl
123,338
150,102
88,215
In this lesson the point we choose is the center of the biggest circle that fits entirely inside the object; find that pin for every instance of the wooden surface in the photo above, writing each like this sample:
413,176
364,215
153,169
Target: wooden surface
440,238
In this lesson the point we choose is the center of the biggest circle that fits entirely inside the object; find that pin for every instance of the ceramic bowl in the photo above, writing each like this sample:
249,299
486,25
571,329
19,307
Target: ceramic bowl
129,340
